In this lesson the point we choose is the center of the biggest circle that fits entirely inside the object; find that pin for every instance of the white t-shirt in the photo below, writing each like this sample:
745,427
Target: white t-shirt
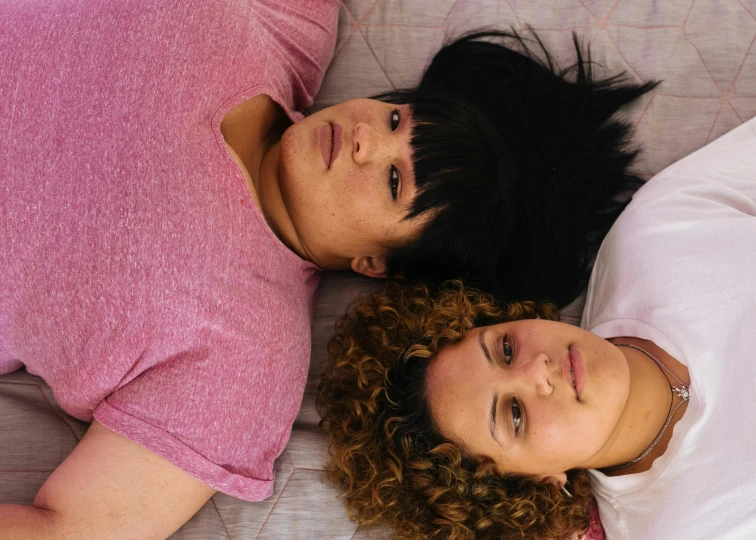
679,268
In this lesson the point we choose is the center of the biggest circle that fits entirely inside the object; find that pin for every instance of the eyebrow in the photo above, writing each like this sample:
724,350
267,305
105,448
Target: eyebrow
484,347
492,420
492,415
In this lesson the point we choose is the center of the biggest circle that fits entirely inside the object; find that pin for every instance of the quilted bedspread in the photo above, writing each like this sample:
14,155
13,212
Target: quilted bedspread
704,52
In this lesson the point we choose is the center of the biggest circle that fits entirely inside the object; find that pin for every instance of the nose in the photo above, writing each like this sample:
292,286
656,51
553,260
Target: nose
538,374
365,143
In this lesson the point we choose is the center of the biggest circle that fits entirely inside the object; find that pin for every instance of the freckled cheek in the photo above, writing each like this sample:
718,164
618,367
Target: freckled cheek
358,195
348,215
360,185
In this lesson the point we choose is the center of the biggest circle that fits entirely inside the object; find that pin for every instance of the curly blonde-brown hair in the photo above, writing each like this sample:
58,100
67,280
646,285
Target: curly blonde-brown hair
393,466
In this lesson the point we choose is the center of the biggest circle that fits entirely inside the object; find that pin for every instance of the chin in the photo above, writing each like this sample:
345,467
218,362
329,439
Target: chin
294,160
289,141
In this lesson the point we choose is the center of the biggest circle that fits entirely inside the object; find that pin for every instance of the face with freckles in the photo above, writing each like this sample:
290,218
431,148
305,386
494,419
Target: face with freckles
506,393
346,178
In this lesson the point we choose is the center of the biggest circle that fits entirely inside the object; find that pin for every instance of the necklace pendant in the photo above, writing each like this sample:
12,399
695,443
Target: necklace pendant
682,391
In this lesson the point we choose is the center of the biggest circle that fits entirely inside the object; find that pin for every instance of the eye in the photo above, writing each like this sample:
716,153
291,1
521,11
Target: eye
394,182
395,119
516,416
507,350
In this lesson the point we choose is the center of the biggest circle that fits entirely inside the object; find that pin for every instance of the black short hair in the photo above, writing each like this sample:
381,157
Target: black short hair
520,167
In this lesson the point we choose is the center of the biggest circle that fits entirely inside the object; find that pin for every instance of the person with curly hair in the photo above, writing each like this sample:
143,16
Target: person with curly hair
453,416
387,451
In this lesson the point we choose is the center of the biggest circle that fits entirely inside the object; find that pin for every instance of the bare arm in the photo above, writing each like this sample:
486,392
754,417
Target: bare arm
109,487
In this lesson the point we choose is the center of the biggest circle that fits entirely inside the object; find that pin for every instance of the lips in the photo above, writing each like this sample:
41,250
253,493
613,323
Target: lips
568,371
337,140
326,143
577,371
572,374
330,140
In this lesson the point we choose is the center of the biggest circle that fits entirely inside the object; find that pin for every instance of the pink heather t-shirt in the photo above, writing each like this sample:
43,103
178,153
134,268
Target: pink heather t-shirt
137,276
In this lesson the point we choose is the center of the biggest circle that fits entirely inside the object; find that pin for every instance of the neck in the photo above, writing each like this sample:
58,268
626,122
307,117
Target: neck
266,184
252,131
646,410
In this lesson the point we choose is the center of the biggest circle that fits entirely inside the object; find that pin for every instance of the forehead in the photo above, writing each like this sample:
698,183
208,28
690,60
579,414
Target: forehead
456,389
454,370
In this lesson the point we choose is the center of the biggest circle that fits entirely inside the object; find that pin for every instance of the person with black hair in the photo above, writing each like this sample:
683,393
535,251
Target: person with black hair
166,211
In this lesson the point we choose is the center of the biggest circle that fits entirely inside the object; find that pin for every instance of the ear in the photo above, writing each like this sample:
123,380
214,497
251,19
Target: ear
374,267
556,480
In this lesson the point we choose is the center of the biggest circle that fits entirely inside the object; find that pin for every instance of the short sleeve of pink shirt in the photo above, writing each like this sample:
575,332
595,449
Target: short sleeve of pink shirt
137,275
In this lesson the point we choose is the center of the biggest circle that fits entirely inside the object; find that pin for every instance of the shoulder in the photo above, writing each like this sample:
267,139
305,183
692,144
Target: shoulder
304,32
672,210
317,18
723,172
300,42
